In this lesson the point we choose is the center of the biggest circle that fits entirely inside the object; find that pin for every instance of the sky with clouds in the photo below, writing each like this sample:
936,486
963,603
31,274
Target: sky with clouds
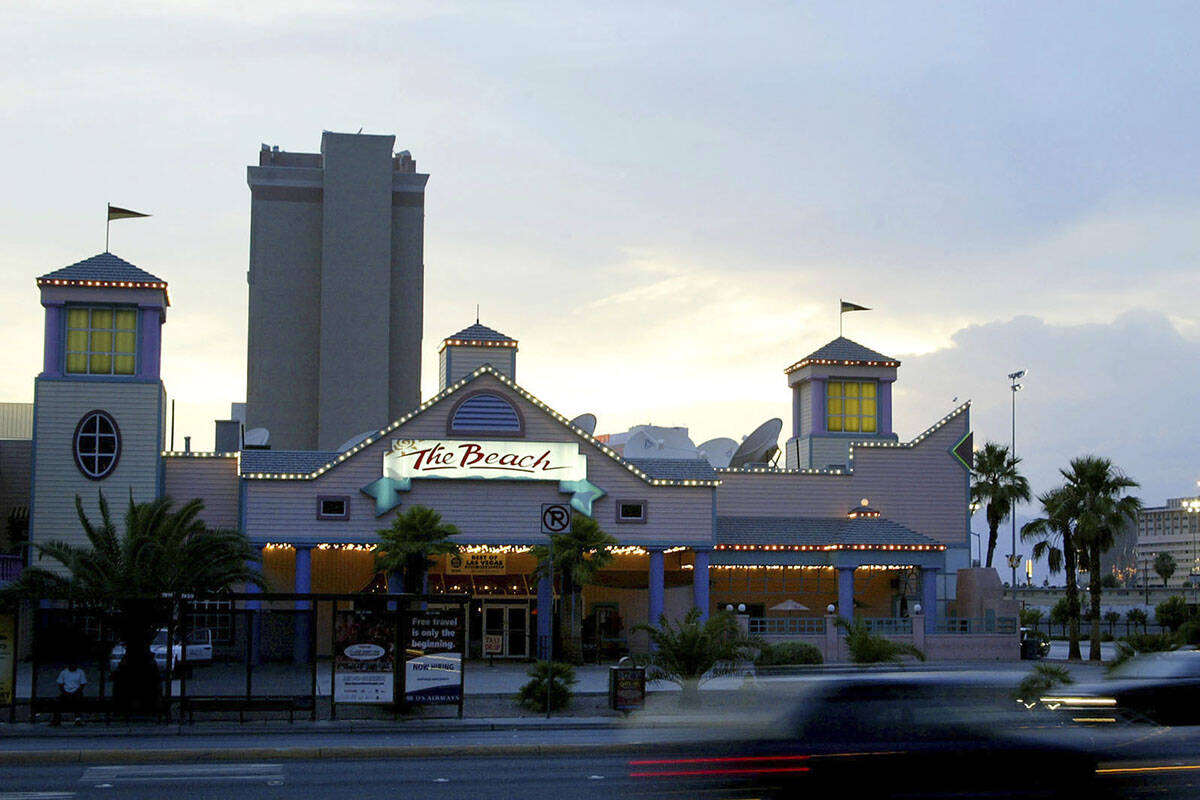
665,201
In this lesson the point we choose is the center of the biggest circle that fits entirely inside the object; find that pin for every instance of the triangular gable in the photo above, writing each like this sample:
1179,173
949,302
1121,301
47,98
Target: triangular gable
446,395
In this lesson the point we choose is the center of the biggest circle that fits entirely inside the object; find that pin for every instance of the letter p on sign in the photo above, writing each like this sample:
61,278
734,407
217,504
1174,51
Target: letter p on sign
556,517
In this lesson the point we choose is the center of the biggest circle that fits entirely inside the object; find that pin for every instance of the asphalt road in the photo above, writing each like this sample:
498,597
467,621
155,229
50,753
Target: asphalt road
1135,762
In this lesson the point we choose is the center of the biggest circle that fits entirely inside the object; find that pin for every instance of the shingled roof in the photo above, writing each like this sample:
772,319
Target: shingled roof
300,462
817,531
675,469
845,352
480,333
103,267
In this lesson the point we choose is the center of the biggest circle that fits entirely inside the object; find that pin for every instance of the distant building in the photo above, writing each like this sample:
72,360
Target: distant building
1169,529
336,290
16,457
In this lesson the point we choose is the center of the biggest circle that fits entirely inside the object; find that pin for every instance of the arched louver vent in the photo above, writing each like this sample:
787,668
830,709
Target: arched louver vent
486,412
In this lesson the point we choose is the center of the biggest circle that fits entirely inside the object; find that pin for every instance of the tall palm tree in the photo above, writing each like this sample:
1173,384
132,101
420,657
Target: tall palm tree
999,485
1056,541
406,546
1101,507
1164,565
160,552
578,555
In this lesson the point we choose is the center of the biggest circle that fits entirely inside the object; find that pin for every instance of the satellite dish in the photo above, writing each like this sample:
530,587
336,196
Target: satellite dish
257,437
586,423
353,440
718,451
760,446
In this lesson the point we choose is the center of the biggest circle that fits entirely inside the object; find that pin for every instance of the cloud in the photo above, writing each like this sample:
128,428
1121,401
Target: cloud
1125,390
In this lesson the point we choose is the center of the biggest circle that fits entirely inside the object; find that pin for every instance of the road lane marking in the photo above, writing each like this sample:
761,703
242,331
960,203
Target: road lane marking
169,773
36,795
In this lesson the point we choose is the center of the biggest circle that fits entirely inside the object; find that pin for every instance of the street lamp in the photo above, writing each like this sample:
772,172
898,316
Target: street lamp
1016,387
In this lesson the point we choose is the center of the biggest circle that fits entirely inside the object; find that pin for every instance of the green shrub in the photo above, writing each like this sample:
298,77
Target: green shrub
1188,633
1171,612
869,648
1043,678
533,694
789,653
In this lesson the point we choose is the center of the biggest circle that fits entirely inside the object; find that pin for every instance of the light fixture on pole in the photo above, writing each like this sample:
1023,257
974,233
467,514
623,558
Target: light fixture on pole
978,542
1012,510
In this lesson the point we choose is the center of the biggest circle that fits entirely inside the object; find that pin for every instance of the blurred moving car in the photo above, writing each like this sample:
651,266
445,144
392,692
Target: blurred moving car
887,735
198,651
1160,688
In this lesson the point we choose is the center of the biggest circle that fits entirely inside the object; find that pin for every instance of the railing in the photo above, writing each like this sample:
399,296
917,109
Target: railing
780,626
976,625
10,568
889,625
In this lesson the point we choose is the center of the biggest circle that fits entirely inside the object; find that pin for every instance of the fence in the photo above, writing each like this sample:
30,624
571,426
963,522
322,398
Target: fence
1116,629
230,653
982,625
800,626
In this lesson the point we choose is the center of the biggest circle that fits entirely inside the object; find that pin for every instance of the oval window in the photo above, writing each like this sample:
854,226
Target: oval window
97,445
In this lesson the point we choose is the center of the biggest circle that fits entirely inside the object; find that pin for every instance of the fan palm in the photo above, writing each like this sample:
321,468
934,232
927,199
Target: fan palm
999,485
1100,508
579,554
407,545
161,552
1056,541
691,651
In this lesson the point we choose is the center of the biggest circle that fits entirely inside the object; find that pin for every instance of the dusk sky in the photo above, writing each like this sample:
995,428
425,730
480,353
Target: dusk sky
664,202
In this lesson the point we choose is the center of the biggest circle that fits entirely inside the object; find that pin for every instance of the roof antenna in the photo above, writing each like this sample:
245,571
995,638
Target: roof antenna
477,313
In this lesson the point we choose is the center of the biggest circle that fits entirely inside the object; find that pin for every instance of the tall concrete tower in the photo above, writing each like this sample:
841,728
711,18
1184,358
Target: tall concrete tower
336,290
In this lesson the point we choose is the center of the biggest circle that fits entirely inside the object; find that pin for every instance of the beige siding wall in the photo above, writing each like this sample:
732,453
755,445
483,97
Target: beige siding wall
213,480
138,411
923,487
465,360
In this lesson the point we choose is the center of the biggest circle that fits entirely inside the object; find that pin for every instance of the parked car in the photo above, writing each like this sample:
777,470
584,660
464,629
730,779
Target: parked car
1034,644
197,653
1162,688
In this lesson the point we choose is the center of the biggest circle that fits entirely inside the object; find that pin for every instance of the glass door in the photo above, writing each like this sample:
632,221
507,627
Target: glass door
517,632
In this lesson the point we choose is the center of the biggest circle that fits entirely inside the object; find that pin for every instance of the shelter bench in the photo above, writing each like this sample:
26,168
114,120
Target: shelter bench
290,704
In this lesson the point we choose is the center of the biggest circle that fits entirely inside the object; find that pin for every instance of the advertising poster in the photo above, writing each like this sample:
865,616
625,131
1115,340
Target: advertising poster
8,659
363,661
433,666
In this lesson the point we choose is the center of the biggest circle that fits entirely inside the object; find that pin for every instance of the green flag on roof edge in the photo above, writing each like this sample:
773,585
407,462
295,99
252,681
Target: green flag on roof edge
115,212
852,307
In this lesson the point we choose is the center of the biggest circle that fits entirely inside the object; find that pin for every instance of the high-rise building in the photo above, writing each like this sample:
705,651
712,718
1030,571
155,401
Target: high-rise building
1173,529
336,290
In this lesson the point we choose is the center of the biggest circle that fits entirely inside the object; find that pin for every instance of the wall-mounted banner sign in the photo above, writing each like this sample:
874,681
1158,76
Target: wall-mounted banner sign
452,458
476,564
461,459
433,660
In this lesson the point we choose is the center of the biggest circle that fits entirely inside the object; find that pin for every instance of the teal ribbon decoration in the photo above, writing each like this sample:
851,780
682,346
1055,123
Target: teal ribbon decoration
583,492
386,492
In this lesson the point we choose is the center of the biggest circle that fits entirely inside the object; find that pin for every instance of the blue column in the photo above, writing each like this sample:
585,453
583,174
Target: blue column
929,597
846,593
700,583
303,585
253,607
545,617
655,609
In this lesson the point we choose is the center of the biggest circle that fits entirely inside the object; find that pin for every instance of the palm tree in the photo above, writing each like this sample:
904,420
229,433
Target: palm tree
406,546
999,485
1164,566
578,555
691,651
1100,508
1056,527
161,552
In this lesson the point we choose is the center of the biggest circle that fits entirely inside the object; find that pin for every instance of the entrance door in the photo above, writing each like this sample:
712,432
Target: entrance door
506,631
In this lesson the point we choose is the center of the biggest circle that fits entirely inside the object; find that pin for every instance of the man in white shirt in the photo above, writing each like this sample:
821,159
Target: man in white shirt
70,692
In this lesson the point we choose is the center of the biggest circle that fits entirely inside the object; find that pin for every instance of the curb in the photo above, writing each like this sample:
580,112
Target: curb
208,754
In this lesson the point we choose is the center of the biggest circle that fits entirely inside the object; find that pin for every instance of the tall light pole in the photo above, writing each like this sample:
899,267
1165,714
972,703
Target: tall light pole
1014,559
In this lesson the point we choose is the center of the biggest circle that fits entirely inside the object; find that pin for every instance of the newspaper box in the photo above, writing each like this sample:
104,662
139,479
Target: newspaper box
626,688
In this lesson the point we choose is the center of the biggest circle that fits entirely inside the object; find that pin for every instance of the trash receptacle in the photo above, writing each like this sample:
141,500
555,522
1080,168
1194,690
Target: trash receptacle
626,688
